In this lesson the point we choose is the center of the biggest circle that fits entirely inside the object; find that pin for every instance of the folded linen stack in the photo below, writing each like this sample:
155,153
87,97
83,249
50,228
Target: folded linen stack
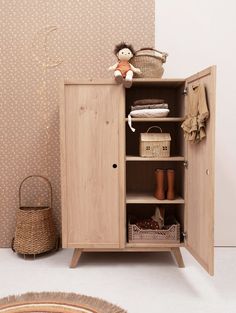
148,108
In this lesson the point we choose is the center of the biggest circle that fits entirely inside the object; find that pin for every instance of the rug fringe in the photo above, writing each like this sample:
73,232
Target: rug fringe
60,297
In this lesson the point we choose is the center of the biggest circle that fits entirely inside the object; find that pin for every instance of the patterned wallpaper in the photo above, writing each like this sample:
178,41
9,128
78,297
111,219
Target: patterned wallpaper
43,41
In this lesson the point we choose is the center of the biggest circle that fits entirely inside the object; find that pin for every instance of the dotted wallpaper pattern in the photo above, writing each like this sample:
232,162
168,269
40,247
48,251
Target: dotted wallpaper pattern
42,42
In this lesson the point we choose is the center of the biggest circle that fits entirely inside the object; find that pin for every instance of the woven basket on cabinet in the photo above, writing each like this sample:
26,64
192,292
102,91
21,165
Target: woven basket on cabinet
35,231
150,62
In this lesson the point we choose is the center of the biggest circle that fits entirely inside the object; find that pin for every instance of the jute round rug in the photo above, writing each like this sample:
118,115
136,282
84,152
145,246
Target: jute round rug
56,302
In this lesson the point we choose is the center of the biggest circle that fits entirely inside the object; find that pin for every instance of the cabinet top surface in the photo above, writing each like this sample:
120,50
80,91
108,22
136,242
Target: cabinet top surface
168,82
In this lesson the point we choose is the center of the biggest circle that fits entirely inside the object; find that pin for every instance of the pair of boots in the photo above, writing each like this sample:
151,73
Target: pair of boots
160,184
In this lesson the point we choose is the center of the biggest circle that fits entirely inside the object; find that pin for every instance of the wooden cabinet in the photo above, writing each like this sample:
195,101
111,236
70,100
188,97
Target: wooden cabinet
104,179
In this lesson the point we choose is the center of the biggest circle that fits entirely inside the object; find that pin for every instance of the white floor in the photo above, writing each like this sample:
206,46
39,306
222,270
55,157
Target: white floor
140,283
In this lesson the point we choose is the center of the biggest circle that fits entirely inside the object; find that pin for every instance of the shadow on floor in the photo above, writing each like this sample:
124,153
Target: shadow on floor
127,258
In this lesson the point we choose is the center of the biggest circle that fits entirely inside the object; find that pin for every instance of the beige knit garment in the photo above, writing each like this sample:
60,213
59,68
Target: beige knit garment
195,122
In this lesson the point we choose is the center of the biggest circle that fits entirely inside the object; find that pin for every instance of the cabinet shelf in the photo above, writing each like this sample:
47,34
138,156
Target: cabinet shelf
156,119
150,246
160,82
149,198
138,158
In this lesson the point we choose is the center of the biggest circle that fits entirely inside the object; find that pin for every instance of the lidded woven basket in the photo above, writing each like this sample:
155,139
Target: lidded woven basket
150,62
154,144
35,231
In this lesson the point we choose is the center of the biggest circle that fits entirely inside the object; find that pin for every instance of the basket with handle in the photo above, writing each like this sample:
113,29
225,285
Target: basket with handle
154,144
150,61
35,231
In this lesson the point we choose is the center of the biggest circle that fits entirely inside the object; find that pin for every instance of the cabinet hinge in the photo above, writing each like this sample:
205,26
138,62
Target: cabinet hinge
185,91
186,164
184,233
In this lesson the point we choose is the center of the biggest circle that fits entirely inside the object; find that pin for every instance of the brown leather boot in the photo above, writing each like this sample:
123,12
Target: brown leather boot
170,184
159,192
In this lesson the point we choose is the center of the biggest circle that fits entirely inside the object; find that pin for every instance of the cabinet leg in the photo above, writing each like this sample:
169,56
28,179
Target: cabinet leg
75,258
177,256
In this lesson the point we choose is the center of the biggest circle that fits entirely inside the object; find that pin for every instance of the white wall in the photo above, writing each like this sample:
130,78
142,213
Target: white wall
196,34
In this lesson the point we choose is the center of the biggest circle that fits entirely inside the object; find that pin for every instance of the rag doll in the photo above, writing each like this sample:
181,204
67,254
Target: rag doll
123,70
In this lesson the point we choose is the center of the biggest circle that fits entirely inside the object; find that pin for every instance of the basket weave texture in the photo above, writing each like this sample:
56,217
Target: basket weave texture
170,235
154,144
35,231
150,62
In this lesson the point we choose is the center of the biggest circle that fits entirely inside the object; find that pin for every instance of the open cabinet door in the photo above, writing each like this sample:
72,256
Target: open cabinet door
200,180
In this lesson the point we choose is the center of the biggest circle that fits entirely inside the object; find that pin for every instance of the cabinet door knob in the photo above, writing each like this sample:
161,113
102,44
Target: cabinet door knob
207,171
114,165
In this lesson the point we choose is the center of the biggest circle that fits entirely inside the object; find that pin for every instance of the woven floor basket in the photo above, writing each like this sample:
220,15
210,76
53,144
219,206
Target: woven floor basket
150,62
170,235
35,231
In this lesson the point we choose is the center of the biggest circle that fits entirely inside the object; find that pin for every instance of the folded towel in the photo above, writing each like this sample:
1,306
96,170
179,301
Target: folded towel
150,106
146,113
148,101
150,113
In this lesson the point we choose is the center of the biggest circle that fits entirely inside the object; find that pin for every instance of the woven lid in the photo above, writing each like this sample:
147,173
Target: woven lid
155,137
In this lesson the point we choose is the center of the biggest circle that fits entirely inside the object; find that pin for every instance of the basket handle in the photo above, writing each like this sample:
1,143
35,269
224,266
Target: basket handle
154,127
48,182
163,54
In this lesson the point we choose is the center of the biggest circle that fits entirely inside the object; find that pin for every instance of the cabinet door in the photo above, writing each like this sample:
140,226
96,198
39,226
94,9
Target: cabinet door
93,149
200,181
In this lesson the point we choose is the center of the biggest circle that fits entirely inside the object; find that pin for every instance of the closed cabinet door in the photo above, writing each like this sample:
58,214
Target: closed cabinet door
92,120
200,178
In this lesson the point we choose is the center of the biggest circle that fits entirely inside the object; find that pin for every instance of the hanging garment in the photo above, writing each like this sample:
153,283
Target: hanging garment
195,122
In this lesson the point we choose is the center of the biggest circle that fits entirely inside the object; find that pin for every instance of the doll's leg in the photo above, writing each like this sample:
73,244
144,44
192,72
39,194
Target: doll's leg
128,79
118,76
